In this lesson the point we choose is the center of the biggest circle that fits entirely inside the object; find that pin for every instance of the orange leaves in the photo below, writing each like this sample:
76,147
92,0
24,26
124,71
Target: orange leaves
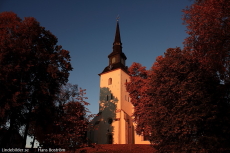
179,98
172,98
208,26
138,89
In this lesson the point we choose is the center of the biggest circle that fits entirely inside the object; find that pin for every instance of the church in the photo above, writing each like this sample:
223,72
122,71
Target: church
114,123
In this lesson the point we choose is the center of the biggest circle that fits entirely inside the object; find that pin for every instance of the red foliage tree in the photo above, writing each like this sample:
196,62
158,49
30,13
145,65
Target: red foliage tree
138,88
69,125
208,24
32,69
178,105
190,105
189,90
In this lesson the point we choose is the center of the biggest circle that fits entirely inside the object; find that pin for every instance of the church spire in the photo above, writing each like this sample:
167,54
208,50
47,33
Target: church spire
117,39
117,45
117,58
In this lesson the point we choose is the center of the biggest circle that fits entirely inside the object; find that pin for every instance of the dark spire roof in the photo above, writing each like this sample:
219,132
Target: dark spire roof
117,39
116,53
117,45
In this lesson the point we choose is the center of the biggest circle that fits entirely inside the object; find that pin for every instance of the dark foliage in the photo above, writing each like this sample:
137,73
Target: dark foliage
32,69
69,126
179,106
182,102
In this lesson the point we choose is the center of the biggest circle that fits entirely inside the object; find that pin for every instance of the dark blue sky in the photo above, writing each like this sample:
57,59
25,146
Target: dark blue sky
86,28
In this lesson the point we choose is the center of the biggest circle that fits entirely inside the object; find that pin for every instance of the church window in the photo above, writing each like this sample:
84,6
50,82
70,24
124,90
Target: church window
110,139
107,97
122,61
113,60
110,120
128,99
110,81
111,96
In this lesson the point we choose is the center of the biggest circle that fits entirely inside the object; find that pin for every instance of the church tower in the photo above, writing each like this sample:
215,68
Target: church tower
113,124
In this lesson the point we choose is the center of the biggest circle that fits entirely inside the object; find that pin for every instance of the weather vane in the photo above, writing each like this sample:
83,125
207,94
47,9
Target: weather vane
118,17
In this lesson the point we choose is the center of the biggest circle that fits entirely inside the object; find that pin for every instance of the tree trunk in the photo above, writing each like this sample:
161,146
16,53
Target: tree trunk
33,143
27,126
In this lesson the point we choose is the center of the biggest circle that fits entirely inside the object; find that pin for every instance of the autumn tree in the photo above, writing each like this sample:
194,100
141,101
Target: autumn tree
69,126
208,26
138,88
192,112
182,102
32,69
179,106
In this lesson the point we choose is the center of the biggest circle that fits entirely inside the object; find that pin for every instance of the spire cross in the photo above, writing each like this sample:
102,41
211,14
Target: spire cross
118,18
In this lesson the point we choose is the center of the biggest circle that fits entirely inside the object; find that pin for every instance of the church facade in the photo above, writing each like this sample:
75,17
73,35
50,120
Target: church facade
114,124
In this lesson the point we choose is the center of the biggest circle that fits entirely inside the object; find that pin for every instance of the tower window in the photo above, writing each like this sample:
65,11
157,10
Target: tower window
107,97
110,81
122,61
113,60
111,96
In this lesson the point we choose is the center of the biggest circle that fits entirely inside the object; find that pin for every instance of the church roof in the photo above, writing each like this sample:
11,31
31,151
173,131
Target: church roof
114,67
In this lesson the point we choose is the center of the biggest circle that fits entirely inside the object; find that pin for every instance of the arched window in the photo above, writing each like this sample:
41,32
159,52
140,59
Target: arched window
110,81
110,139
110,120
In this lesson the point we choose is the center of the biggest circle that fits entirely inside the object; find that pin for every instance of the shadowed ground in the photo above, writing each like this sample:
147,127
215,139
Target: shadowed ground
117,148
